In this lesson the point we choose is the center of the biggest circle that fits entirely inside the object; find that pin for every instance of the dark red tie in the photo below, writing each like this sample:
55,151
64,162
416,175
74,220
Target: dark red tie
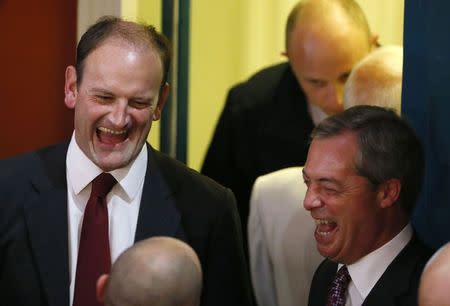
94,258
338,290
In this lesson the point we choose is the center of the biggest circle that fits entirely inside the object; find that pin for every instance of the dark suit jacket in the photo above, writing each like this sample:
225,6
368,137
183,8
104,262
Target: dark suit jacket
264,126
176,201
397,286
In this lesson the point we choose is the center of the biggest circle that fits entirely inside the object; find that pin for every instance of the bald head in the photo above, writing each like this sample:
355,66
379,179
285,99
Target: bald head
159,271
434,288
309,12
324,40
377,80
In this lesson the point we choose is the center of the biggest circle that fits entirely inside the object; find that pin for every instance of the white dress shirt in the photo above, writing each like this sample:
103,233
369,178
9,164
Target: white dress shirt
123,202
367,271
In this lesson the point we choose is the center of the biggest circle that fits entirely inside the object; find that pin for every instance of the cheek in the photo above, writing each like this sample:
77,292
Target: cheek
313,92
142,118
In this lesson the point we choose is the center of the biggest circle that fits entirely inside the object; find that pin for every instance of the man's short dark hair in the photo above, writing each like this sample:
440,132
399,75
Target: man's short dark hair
388,148
135,33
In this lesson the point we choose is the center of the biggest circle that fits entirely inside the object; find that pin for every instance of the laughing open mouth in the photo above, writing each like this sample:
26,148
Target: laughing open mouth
324,227
111,137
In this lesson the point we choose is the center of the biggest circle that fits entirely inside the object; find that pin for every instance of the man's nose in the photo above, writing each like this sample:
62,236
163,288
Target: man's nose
119,114
335,96
312,199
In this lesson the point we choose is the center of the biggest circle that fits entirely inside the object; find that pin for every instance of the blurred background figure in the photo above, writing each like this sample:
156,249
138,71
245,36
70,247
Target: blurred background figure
283,253
377,80
159,271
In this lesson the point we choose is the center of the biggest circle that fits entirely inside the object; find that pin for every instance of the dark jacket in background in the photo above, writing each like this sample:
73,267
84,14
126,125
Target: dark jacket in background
264,126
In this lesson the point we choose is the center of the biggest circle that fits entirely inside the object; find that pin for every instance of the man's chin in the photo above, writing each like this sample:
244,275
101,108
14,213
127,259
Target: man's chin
110,164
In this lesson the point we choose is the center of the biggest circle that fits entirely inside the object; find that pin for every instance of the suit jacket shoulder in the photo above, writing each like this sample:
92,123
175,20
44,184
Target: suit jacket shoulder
33,254
399,283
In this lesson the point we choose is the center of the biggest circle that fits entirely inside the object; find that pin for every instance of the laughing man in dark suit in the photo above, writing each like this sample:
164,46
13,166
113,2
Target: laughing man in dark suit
363,172
117,89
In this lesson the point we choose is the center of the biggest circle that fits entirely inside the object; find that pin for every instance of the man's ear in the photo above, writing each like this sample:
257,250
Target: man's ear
389,192
101,287
163,94
70,87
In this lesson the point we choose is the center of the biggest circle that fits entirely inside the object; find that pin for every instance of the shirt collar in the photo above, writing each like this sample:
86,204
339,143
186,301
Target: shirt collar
317,114
81,170
367,271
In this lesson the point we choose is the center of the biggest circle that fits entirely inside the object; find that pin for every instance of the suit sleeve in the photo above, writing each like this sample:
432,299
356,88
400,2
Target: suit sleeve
260,264
226,276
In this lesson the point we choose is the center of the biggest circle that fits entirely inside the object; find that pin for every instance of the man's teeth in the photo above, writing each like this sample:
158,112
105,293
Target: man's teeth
106,130
322,221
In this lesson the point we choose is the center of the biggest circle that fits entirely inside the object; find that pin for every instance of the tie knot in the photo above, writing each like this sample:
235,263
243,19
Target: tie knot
337,293
342,276
103,184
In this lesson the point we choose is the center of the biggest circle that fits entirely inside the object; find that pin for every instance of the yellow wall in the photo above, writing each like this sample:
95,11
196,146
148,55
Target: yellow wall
148,11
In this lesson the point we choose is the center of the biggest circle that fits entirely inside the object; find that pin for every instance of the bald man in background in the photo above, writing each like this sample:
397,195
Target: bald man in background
159,271
283,253
266,121
434,289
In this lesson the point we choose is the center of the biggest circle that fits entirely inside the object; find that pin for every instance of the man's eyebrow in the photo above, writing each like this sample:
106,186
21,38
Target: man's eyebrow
322,179
101,90
328,180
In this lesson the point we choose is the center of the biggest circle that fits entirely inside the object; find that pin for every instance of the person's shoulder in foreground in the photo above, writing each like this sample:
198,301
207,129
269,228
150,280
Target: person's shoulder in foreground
434,283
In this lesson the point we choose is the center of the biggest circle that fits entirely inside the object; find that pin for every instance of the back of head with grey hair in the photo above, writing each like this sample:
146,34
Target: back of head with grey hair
377,80
159,271
388,148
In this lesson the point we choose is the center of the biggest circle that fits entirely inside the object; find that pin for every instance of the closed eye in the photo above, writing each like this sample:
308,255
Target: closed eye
103,98
317,83
140,104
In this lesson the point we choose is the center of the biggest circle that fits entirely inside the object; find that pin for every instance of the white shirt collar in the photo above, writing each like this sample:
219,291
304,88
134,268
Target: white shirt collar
367,271
317,115
81,170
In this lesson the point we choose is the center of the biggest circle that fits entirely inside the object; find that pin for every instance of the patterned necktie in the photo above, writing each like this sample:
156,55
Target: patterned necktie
94,257
338,290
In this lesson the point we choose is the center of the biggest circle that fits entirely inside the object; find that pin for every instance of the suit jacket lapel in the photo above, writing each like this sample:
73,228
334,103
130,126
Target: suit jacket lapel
393,286
319,293
158,215
46,219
